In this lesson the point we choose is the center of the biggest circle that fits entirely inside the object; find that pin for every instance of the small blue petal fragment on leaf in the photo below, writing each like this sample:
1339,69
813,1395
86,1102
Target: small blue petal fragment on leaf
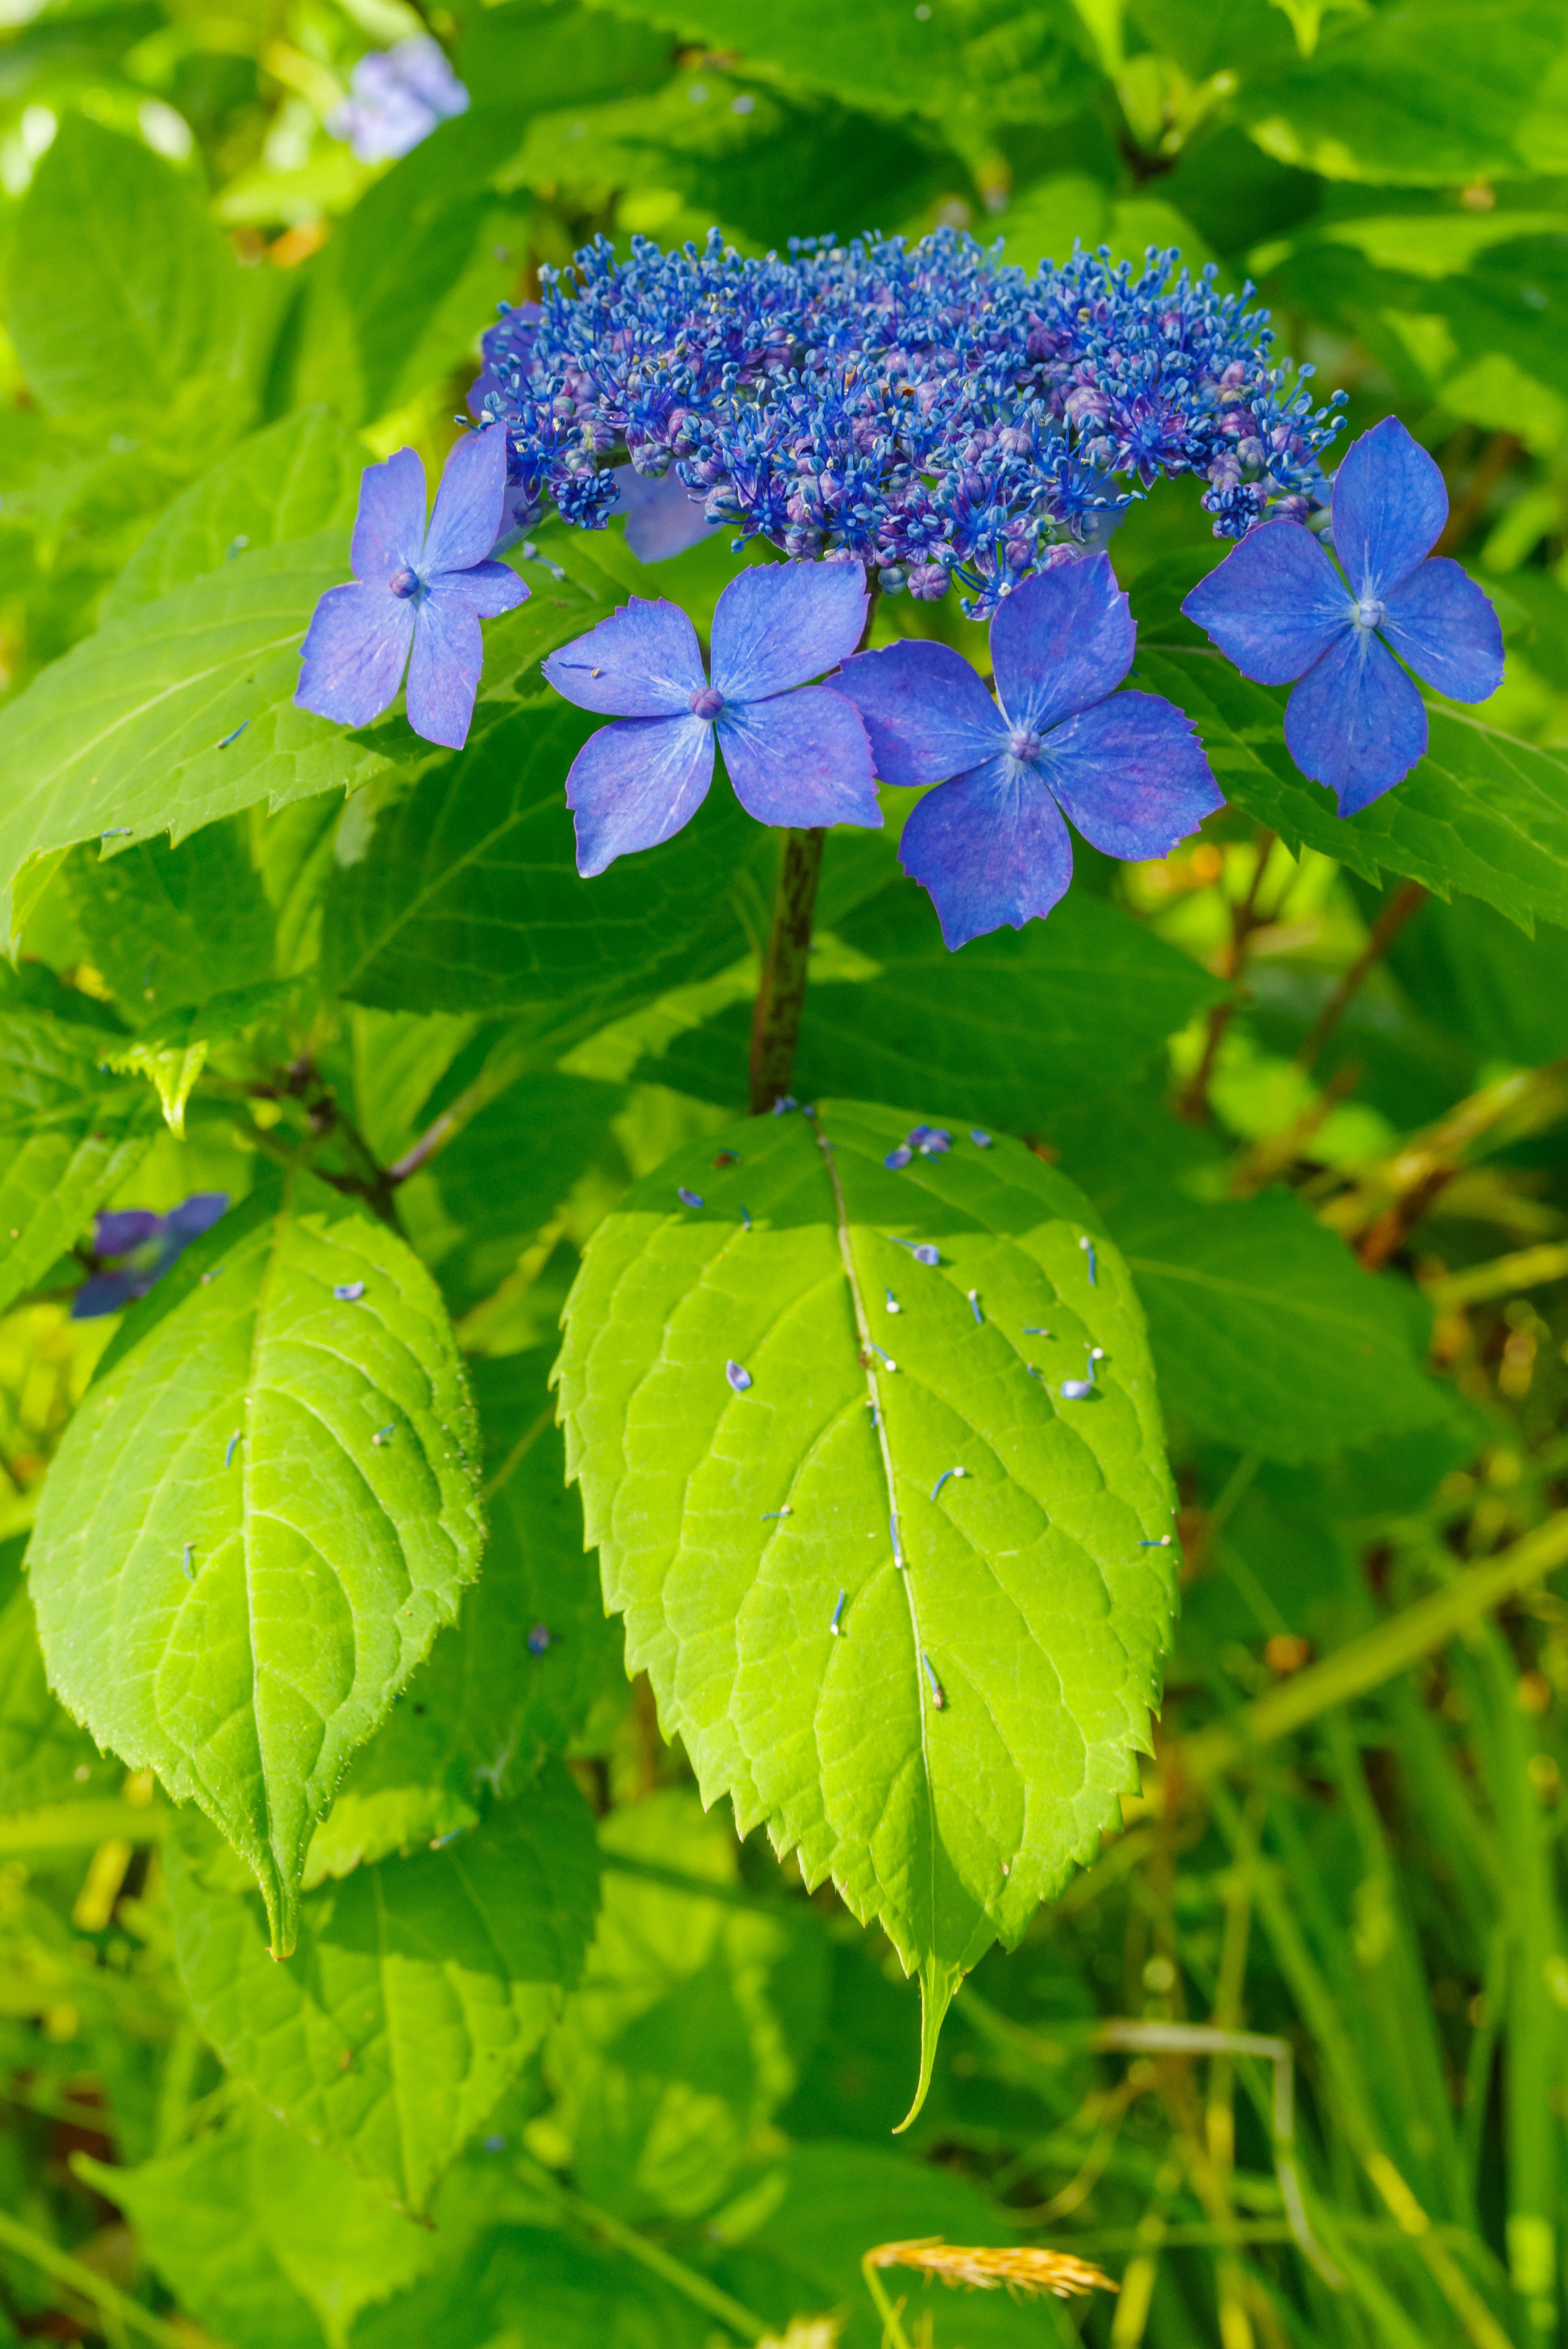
689,1199
740,1379
899,1158
539,1639
978,1136
837,1611
349,1292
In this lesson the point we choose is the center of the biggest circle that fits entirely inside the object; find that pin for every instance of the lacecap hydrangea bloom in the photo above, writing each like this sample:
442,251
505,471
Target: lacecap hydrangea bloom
990,844
1280,610
396,98
920,409
795,754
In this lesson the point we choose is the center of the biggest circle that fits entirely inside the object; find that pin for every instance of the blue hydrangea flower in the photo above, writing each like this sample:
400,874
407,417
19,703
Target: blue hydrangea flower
418,596
397,96
146,1245
990,844
1280,610
796,753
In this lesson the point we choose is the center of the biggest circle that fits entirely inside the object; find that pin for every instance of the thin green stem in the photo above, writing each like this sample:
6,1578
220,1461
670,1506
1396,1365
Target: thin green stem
893,2336
119,2315
651,2256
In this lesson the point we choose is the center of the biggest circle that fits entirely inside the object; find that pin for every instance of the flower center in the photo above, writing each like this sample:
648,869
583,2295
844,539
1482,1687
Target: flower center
1023,744
1369,612
404,582
706,702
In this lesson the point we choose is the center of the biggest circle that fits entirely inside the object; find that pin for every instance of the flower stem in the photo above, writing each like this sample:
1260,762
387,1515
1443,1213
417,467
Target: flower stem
781,996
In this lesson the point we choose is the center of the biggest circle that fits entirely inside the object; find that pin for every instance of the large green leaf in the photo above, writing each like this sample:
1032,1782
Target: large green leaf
1019,1592
479,1718
468,896
419,1988
169,925
260,1516
69,1135
1006,1026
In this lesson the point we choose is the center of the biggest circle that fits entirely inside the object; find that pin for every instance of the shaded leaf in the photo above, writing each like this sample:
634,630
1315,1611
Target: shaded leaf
69,1136
44,1756
233,1577
169,925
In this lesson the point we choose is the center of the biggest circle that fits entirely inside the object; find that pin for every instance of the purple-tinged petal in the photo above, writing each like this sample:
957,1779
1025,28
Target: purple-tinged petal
1061,642
634,784
781,622
467,518
662,518
800,758
1355,723
351,662
1131,775
389,527
193,1216
107,1292
120,1229
1275,604
443,673
991,847
642,662
487,588
927,713
1447,628
1389,508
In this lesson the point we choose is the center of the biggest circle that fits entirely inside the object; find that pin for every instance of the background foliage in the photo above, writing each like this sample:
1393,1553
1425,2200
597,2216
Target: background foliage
1311,1077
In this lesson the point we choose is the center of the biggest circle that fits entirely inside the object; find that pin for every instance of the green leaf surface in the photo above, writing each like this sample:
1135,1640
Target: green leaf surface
297,477
468,896
480,1715
518,1158
69,1136
419,1987
1019,1591
44,1756
168,926
235,1564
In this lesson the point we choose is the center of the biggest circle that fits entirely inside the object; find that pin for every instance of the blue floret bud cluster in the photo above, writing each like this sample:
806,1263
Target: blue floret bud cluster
920,408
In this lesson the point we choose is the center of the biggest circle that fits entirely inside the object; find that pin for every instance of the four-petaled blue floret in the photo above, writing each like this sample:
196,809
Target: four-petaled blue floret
1281,611
919,406
990,844
397,96
418,596
796,753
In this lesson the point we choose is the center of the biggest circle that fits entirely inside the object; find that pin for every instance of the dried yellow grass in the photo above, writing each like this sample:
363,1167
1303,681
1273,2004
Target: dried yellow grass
983,2268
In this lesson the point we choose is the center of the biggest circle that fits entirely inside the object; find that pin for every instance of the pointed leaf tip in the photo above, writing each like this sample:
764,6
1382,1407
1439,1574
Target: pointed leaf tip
938,1984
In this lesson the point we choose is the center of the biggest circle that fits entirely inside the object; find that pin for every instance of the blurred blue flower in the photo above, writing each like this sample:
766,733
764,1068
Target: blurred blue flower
990,844
418,596
397,96
794,756
147,1245
1280,610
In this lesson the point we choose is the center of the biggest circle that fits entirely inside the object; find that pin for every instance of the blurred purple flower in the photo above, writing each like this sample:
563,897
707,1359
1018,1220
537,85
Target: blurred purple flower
794,756
1280,610
148,1243
416,590
397,96
990,844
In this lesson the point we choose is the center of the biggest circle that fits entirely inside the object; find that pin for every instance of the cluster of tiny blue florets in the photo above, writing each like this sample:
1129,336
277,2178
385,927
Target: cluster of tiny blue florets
923,408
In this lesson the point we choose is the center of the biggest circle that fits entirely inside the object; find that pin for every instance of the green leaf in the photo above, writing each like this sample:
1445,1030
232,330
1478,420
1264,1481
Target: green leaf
296,478
468,897
531,55
419,1989
270,2243
680,2044
518,1158
68,1139
123,295
173,1051
1003,1026
44,1756
233,1576
480,1717
167,926
1023,1596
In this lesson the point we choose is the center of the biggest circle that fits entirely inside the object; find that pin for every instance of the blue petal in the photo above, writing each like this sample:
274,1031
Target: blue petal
927,713
634,784
389,528
1447,628
781,622
487,588
642,662
991,847
120,1229
1274,605
1062,642
662,518
800,758
106,1292
443,673
467,518
1389,508
193,1216
1355,723
352,658
1131,774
